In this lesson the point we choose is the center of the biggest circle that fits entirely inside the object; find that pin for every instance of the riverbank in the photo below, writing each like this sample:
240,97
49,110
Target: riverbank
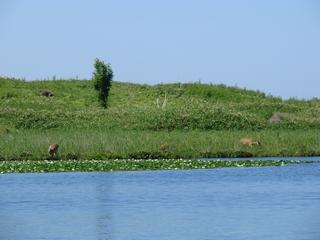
86,144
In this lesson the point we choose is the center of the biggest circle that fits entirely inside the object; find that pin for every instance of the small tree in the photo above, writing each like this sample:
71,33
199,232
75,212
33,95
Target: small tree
102,78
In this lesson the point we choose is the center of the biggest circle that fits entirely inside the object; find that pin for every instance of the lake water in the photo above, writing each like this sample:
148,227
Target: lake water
268,203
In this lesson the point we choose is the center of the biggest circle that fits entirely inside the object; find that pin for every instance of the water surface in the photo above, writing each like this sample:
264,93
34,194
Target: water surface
267,203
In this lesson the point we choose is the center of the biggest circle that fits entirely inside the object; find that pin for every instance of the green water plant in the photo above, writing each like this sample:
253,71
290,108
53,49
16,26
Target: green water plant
131,165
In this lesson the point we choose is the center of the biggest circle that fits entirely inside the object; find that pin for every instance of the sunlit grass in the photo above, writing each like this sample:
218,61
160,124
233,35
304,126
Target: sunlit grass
133,106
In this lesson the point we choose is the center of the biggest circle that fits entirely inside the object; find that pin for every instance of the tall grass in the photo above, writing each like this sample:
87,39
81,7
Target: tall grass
111,144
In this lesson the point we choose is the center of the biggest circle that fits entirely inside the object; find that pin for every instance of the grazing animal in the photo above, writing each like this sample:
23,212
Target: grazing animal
164,146
53,150
248,142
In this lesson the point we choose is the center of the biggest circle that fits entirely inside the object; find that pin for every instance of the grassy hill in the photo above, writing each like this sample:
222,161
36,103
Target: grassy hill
133,106
195,120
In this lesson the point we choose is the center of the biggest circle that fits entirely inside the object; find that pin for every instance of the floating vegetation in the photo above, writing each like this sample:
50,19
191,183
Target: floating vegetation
131,165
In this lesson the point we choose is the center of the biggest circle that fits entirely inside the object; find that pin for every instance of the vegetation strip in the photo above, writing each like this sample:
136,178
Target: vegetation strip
131,165
104,144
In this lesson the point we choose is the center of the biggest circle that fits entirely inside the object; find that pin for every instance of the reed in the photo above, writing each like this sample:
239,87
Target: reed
89,144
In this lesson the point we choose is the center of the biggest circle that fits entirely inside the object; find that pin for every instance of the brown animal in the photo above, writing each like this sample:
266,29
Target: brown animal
53,150
248,142
164,146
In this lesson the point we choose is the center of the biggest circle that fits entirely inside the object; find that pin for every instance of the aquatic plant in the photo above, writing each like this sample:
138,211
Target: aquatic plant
130,165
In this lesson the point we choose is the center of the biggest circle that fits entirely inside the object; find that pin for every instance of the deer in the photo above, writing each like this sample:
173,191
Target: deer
249,142
53,150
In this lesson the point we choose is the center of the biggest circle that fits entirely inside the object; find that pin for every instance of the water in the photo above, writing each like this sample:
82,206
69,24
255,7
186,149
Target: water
269,203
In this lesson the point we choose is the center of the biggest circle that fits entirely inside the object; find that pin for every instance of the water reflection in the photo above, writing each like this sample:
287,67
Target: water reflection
104,190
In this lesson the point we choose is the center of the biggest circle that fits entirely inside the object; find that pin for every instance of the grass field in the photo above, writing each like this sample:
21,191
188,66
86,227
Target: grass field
195,120
133,106
146,144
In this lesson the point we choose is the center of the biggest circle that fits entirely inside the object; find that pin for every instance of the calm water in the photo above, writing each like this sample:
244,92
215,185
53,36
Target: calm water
231,203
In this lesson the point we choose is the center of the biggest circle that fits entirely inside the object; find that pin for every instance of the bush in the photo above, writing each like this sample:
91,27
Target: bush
102,78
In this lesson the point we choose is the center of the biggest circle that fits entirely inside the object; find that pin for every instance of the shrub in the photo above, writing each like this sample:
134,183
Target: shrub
102,78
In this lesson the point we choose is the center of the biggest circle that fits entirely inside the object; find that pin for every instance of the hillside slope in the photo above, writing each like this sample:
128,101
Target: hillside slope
134,106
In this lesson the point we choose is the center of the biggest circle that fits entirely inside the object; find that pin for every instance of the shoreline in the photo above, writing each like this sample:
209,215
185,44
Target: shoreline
106,144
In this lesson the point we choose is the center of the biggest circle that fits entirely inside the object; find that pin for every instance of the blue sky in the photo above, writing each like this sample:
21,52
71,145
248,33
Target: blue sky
272,46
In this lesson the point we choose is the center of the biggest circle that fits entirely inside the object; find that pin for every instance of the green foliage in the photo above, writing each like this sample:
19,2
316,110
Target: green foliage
131,165
102,78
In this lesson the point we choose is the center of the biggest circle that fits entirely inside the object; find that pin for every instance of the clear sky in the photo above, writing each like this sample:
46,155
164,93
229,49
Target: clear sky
272,45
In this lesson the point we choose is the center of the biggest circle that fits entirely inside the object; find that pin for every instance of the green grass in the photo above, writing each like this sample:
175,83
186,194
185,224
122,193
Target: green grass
144,144
199,120
133,106
130,165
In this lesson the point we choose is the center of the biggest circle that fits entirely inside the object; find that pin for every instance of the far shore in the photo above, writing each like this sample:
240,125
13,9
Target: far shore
164,121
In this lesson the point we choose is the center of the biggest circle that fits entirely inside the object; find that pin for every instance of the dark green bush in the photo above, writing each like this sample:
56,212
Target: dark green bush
102,78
